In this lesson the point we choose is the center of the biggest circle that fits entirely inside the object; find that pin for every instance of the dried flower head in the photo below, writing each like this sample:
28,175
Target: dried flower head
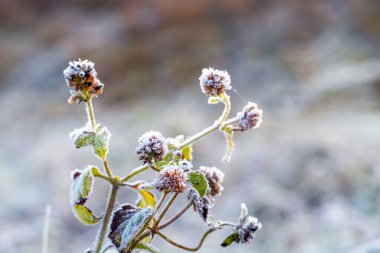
172,179
250,117
215,178
152,147
202,205
246,231
82,77
214,82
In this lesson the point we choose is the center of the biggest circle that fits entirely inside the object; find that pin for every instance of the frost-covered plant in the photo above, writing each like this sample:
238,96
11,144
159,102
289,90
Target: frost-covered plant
132,227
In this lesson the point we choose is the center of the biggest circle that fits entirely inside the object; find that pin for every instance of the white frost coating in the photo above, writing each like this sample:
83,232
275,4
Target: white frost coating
81,187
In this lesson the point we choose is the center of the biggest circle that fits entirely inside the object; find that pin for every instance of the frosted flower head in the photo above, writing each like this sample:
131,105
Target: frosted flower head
215,178
202,205
247,230
172,179
81,76
152,147
214,82
250,117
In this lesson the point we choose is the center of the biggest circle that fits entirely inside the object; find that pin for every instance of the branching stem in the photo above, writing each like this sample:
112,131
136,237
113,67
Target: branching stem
217,124
135,172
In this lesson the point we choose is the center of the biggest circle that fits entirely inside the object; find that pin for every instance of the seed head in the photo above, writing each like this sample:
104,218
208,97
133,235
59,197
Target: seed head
202,205
152,147
171,179
250,117
81,76
214,82
214,177
247,230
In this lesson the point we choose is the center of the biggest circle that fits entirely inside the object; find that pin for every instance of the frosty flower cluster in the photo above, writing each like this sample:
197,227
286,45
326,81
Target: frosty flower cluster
81,76
215,179
152,147
172,179
214,82
129,228
250,117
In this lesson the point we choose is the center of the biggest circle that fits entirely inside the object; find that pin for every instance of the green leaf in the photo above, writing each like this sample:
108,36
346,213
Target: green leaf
128,220
199,182
146,197
81,188
230,239
98,139
147,247
85,215
187,153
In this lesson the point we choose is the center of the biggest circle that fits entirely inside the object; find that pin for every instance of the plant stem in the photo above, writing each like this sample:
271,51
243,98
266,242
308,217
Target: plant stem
159,203
175,217
213,127
103,230
135,172
166,208
108,170
185,247
90,112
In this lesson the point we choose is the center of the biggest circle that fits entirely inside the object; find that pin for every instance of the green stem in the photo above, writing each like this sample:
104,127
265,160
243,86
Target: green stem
103,230
175,217
213,127
135,172
108,170
90,112
185,247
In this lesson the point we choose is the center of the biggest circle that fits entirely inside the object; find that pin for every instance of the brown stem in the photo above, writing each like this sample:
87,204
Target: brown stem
103,230
175,217
185,247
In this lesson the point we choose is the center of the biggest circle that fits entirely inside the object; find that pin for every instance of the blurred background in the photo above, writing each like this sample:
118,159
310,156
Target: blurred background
310,173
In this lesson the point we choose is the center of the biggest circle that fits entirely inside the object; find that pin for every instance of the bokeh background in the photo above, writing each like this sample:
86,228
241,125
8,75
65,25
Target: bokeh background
310,173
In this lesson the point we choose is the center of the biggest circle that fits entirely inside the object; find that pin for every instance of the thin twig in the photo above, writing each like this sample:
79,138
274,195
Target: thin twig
185,247
135,172
175,217
213,127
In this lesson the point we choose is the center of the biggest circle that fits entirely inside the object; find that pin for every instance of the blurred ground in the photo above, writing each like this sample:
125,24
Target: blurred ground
310,173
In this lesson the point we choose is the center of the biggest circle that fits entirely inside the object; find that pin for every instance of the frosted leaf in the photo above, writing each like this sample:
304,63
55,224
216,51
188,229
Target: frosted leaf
81,189
98,139
243,213
127,220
